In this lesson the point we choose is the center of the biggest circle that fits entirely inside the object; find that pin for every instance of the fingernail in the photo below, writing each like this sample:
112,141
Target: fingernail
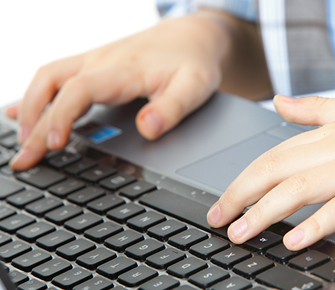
154,122
295,237
214,215
23,134
288,99
53,140
20,157
238,228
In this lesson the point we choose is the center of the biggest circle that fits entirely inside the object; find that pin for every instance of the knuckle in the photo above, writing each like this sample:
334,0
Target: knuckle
268,163
256,214
229,198
314,225
297,185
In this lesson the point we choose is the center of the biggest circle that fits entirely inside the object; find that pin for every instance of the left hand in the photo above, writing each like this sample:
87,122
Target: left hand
298,172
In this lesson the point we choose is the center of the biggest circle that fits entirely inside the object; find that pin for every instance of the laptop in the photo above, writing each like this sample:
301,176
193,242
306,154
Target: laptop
113,210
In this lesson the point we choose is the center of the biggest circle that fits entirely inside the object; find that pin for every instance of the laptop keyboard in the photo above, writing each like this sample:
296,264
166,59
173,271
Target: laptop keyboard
72,223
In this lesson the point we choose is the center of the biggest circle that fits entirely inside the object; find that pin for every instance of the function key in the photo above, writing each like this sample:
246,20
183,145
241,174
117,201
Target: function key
165,258
117,181
253,266
32,284
234,283
160,283
230,257
95,258
66,187
103,231
263,241
97,173
145,220
15,222
35,231
209,277
86,195
52,268
43,205
122,213
54,240
187,267
309,260
136,189
80,166
166,229
40,176
13,249
116,267
281,254
63,159
62,214
207,248
137,276
105,203
83,222
31,259
326,272
6,212
24,197
97,283
144,249
188,238
72,278
9,187
75,248
121,241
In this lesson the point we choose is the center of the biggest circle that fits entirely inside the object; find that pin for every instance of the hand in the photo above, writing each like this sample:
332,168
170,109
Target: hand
297,172
176,64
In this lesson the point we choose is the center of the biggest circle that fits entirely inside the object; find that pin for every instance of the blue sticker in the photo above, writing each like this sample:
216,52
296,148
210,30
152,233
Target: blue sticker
103,134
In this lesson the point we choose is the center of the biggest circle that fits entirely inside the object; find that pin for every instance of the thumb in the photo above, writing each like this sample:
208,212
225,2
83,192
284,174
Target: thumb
12,110
186,91
314,111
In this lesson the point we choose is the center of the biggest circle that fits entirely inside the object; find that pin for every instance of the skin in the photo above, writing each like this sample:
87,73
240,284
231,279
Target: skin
178,64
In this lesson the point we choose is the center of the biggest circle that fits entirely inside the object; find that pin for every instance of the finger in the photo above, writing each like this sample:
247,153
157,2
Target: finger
187,90
264,174
12,110
315,111
285,199
42,90
316,227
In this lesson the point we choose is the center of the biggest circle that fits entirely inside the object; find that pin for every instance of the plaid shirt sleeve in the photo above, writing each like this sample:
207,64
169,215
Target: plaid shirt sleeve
245,9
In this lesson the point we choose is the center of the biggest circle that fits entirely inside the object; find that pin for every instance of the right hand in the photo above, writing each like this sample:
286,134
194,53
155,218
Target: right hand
176,64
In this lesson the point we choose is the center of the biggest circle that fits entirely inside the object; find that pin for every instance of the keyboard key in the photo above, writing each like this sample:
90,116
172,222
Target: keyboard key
80,166
9,142
121,241
116,267
12,250
122,213
42,206
93,259
263,241
35,231
281,254
4,239
287,279
103,231
6,170
163,282
17,277
66,187
51,269
105,203
97,173
145,220
83,222
136,189
207,248
326,271
5,157
234,283
86,195
40,176
24,197
137,276
144,249
31,259
187,267
63,213
5,131
309,260
117,181
251,267
6,212
166,229
165,258
230,257
208,277
32,284
188,238
9,187
63,159
15,222
54,240
97,283
72,278
74,249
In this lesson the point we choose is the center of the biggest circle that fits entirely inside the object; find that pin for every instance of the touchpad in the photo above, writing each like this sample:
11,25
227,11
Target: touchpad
220,169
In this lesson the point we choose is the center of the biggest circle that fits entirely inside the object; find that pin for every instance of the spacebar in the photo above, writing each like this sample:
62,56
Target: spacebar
181,208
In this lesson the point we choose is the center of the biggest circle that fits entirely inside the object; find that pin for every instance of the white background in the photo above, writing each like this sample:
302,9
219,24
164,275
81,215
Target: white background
36,32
